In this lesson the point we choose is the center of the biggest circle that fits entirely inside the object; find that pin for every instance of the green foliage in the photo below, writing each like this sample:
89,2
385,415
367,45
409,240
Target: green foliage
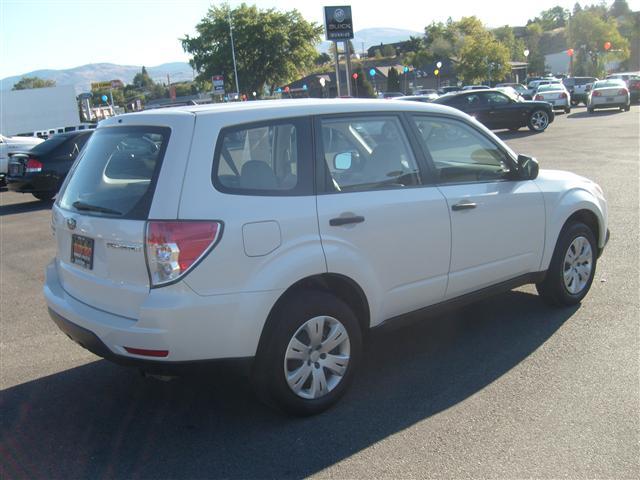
26,83
553,18
516,46
271,47
388,51
482,57
588,34
322,58
142,79
393,81
536,58
619,8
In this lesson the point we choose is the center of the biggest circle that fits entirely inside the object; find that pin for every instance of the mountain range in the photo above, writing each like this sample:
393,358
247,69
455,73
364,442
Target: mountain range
81,77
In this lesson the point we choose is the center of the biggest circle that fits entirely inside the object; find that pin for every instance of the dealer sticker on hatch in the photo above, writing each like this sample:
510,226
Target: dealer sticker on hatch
82,251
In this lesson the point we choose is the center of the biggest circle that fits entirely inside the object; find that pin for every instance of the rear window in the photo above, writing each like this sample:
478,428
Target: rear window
609,84
264,159
49,145
116,174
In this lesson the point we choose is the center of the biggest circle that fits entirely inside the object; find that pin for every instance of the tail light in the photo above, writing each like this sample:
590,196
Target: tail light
596,94
174,247
539,97
33,166
622,91
563,95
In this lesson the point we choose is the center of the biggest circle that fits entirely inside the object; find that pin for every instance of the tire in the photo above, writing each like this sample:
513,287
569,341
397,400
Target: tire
590,110
627,108
44,196
538,121
569,278
274,376
567,110
574,103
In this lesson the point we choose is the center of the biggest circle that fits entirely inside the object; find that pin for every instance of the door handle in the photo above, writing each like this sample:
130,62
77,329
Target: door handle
463,206
338,221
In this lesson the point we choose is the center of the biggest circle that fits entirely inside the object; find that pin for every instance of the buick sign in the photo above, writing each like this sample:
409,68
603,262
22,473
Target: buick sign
338,23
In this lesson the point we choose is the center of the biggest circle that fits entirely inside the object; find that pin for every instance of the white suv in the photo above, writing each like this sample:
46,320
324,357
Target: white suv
281,231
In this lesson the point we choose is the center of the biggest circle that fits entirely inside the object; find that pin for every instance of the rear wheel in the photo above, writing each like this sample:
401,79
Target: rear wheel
627,107
310,355
44,196
572,267
538,121
567,110
589,110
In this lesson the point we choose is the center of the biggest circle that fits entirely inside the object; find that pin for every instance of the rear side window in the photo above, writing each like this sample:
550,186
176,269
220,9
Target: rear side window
264,159
116,174
48,145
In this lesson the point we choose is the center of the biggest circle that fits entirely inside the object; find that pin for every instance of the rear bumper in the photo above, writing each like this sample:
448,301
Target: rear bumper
616,102
32,183
192,328
90,341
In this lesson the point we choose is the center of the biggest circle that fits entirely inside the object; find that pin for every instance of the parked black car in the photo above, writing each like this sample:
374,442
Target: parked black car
41,170
497,110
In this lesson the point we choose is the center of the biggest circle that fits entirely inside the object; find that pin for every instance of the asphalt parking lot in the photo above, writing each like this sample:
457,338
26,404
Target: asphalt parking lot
506,388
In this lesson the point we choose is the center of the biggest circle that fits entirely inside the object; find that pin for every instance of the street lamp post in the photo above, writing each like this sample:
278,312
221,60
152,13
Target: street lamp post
526,62
233,52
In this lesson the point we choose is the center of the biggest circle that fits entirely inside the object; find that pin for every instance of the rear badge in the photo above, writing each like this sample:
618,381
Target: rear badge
71,223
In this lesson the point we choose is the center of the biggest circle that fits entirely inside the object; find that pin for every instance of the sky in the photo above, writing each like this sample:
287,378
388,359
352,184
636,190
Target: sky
58,34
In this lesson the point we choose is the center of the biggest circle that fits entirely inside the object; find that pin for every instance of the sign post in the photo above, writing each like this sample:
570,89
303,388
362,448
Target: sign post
339,28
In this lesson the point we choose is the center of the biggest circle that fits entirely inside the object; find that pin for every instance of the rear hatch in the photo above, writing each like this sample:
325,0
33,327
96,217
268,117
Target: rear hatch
99,220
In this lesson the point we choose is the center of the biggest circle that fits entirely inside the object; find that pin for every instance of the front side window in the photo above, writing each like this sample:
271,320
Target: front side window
496,99
115,175
460,153
367,153
263,159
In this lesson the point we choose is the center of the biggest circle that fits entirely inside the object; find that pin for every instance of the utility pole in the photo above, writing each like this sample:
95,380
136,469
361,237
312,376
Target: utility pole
233,53
347,53
337,60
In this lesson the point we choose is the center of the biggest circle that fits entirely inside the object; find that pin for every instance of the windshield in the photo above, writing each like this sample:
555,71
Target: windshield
115,175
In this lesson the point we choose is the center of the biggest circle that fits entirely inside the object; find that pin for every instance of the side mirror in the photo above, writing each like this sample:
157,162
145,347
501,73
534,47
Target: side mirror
527,167
342,161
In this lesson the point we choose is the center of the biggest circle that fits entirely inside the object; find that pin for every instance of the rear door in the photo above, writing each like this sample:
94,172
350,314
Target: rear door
100,218
380,223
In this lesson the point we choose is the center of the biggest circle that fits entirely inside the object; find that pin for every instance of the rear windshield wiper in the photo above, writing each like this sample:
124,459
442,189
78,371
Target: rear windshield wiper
78,205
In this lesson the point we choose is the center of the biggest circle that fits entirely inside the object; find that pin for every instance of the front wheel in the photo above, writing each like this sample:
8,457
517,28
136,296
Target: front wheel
310,354
572,267
538,121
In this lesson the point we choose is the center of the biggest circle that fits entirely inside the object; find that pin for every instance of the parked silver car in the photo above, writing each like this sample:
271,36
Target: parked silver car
609,94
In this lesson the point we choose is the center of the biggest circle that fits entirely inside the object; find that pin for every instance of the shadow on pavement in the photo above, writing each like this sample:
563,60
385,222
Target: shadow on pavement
522,133
102,421
30,206
596,113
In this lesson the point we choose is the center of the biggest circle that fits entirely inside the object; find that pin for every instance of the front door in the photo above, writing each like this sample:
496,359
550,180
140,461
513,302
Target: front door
497,222
379,224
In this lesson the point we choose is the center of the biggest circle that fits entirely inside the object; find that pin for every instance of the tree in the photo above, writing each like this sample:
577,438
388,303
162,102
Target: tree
515,45
589,32
271,47
388,51
553,18
393,81
322,58
619,8
536,58
482,57
26,83
142,79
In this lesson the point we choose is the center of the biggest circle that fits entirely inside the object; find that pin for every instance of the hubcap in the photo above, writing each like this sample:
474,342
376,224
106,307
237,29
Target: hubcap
317,357
578,263
540,120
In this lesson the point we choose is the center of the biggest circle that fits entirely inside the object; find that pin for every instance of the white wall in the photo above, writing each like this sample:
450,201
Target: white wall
23,111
